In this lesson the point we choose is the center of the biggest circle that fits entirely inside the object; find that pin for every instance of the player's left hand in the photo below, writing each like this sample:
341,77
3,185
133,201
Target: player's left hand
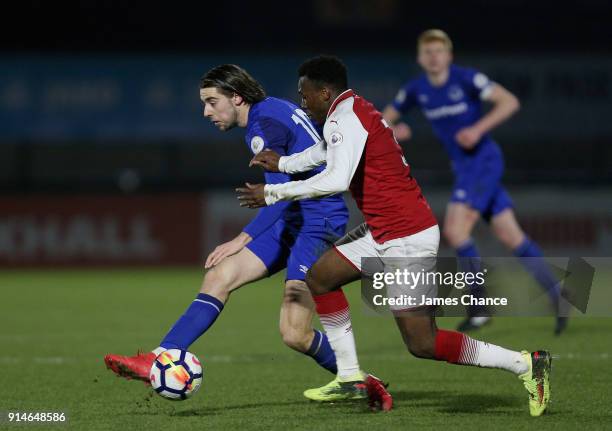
227,249
251,196
468,137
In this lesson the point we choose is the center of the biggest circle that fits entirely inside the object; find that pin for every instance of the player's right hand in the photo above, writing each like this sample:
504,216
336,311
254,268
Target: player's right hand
402,132
227,249
267,159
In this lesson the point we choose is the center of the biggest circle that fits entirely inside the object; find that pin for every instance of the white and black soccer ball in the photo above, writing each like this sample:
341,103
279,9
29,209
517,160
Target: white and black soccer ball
176,374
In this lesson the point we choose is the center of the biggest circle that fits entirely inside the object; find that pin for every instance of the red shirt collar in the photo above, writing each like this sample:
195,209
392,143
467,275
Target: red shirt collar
342,96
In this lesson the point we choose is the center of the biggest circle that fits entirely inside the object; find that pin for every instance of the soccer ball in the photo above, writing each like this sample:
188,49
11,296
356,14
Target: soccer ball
176,374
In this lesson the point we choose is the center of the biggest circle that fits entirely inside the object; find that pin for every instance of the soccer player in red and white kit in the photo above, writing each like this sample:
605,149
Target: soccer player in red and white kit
363,156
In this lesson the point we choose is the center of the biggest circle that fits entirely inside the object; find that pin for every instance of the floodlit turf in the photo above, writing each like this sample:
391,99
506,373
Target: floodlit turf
58,325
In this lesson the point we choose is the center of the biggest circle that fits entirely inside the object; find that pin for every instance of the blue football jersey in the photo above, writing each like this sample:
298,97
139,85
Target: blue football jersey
450,107
283,127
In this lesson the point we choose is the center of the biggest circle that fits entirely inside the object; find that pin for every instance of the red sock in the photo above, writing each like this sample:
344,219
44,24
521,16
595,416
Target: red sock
332,307
455,347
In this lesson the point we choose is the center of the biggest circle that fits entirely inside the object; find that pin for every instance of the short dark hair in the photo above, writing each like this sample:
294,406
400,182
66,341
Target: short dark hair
230,79
326,69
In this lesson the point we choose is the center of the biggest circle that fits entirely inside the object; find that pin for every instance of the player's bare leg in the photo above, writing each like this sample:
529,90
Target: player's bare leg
418,331
424,340
459,222
297,311
326,276
231,273
296,329
507,229
330,272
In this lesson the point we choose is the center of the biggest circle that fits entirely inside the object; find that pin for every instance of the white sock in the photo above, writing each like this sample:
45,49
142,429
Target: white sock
482,354
339,332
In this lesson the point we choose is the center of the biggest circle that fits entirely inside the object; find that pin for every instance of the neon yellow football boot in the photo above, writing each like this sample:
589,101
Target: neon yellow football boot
351,388
537,380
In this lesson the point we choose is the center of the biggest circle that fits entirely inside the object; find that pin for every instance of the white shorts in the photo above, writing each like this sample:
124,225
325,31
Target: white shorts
415,253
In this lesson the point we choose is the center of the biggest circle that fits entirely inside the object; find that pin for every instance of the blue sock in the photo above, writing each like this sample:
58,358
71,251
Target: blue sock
469,261
200,315
532,259
321,351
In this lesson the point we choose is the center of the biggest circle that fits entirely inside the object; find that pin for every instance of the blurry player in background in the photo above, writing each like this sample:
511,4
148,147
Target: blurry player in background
286,235
450,98
362,155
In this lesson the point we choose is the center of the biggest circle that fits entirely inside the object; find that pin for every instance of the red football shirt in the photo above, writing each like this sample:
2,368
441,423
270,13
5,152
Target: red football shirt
362,156
383,187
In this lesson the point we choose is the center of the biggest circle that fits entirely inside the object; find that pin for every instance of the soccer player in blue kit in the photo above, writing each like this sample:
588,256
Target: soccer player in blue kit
451,99
287,234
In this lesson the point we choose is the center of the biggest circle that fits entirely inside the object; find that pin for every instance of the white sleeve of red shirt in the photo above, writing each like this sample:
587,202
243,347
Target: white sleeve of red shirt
308,159
346,138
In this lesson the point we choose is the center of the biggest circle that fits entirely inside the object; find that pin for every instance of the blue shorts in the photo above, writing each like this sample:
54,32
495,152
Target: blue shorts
478,184
296,247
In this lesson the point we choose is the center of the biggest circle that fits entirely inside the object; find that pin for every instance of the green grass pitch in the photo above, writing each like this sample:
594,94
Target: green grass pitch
58,325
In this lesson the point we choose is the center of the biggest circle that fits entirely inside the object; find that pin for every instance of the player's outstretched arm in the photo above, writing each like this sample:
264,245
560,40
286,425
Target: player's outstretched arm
345,147
391,115
405,99
303,161
401,130
504,105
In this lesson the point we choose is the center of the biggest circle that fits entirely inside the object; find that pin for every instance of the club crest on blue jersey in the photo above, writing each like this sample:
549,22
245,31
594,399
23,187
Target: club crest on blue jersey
257,144
481,80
